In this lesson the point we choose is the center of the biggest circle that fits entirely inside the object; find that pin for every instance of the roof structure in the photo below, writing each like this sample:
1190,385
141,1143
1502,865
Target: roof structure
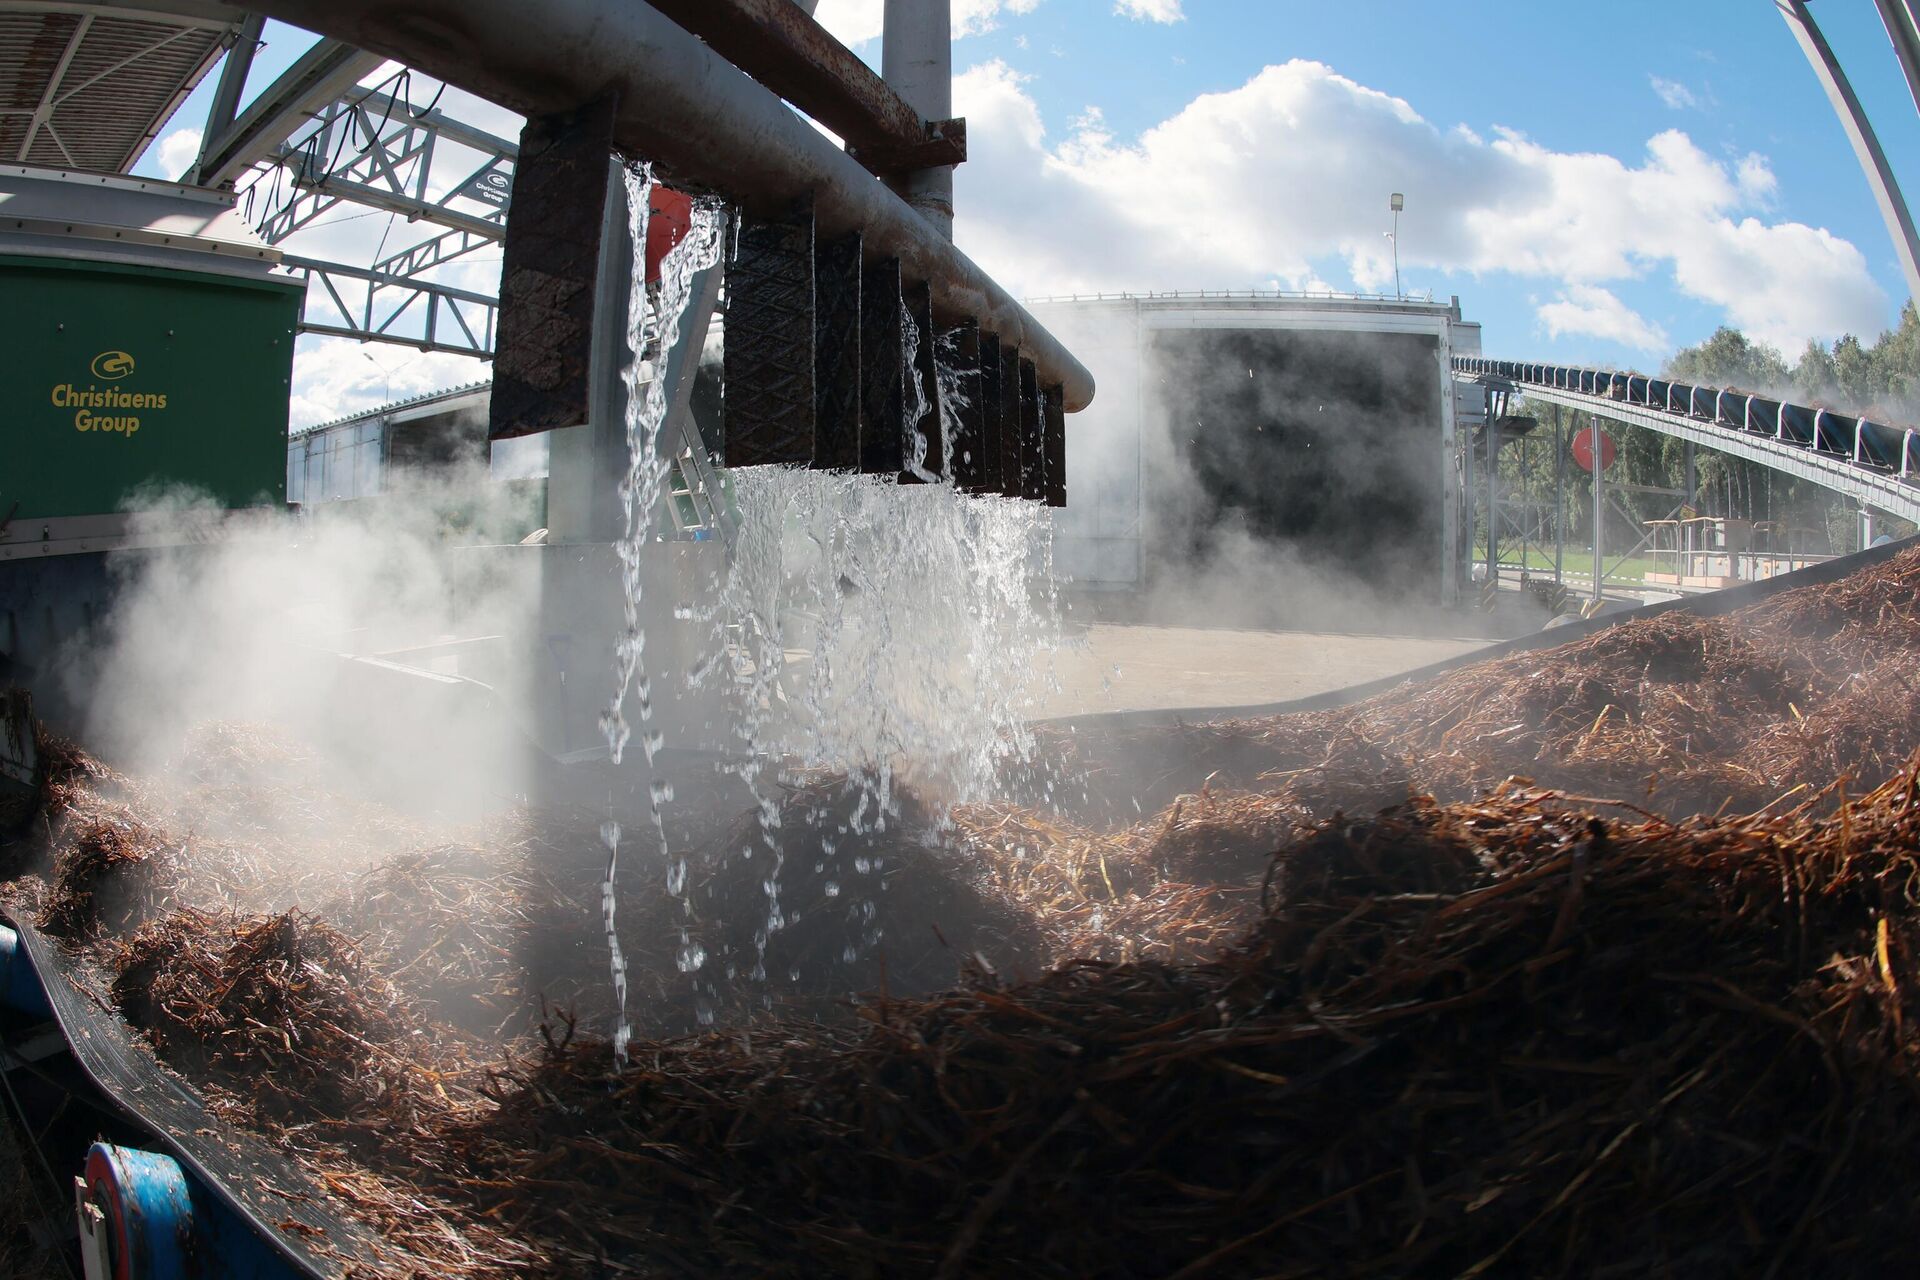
89,85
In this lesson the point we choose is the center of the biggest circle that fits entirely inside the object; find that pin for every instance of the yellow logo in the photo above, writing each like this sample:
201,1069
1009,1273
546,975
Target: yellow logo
112,365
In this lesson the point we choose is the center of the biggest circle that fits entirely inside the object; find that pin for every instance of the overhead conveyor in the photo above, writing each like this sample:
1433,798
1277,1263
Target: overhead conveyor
1874,463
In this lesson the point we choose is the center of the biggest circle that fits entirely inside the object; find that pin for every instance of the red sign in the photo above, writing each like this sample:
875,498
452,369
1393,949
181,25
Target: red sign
1583,449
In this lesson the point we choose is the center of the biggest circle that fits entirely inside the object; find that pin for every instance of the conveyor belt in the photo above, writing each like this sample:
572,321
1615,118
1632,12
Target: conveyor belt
1711,604
265,1190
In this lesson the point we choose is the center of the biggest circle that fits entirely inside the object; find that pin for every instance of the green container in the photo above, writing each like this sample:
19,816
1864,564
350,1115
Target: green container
121,384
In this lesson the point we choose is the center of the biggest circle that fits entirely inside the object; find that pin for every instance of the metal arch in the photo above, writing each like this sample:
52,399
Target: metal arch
1866,146
1903,28
1864,483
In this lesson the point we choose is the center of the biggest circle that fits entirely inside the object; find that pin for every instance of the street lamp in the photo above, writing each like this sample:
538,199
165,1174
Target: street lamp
1397,203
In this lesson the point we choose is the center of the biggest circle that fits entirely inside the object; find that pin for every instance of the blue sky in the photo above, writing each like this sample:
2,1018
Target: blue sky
1604,189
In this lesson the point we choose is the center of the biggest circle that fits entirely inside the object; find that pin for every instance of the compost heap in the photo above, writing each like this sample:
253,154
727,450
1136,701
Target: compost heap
1356,1000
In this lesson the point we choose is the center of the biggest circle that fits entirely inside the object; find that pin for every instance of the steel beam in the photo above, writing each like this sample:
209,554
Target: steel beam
705,123
233,80
341,301
319,76
783,48
1866,146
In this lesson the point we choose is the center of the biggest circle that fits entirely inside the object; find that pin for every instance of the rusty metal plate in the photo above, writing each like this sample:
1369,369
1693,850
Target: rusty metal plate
1033,456
1010,445
1054,424
769,348
991,397
960,390
836,357
918,299
550,264
882,371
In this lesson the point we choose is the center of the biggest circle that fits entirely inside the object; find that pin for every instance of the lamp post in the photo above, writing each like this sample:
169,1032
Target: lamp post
1397,203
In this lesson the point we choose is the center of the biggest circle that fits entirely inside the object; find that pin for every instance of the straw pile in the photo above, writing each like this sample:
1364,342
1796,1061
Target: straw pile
281,1010
1679,713
1507,1037
1253,1026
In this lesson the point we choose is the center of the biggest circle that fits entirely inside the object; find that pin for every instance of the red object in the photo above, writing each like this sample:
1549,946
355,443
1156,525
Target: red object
668,217
1583,449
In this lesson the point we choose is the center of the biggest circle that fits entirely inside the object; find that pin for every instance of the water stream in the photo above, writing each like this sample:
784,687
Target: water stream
894,633
649,457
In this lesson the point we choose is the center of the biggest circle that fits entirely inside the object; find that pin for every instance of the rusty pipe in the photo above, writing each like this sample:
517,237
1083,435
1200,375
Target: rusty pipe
703,122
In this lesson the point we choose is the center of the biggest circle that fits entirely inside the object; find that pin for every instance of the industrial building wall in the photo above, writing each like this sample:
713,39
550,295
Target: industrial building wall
1307,453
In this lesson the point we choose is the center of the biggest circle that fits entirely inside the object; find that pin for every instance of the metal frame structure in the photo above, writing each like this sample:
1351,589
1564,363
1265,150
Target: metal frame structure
705,123
119,69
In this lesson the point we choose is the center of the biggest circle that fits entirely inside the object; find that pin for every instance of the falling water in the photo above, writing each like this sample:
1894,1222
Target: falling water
641,488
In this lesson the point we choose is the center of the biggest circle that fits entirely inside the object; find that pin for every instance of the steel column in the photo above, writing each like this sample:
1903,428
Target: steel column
916,60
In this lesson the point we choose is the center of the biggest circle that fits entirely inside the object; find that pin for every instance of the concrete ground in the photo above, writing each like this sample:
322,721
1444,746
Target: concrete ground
1136,668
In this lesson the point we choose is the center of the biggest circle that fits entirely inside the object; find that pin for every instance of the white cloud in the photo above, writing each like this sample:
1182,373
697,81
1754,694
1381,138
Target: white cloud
1275,179
1673,93
177,150
1585,310
855,22
1149,10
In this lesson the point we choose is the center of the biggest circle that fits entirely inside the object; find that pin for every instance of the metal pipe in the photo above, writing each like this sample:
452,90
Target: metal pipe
916,60
705,123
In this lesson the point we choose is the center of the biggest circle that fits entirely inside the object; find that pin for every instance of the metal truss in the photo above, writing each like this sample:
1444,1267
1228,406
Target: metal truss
371,148
374,149
354,302
1885,489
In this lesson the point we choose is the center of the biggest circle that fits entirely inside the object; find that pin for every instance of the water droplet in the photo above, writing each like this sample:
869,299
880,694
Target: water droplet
692,956
833,888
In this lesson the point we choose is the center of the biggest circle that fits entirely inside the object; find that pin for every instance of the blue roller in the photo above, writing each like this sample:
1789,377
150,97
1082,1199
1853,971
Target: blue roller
149,1211
162,1224
20,988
